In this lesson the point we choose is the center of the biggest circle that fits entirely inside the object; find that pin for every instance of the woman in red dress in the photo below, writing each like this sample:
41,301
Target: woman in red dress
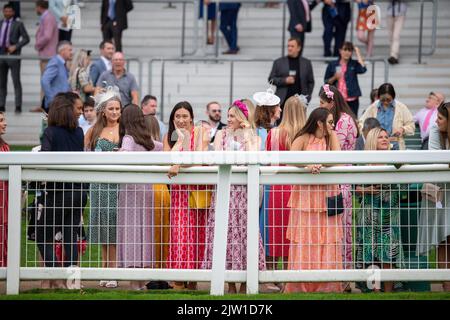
280,139
187,224
4,147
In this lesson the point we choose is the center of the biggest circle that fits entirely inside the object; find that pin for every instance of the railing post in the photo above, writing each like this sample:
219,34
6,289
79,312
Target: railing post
231,81
140,77
422,4
351,21
150,74
14,215
220,230
283,32
252,229
373,75
183,28
218,18
386,70
163,66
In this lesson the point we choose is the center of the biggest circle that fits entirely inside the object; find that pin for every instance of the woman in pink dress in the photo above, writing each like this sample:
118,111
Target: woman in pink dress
316,238
347,132
187,230
4,147
280,139
237,136
135,218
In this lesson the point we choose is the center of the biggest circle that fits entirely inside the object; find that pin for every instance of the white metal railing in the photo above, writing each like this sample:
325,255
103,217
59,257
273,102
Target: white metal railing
249,168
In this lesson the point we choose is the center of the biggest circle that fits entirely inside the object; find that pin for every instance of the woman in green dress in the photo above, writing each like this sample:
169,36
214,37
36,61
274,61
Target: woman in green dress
378,239
104,137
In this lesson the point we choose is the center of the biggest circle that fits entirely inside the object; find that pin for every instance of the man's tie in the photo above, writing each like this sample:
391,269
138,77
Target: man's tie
307,13
5,34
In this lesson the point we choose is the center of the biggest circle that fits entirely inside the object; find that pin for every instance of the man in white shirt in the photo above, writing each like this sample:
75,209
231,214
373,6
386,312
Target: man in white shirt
426,116
103,64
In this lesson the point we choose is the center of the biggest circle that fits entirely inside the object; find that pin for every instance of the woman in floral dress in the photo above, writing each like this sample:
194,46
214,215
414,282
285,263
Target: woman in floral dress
237,136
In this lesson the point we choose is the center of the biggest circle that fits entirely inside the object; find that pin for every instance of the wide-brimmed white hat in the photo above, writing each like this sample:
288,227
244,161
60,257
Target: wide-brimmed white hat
266,98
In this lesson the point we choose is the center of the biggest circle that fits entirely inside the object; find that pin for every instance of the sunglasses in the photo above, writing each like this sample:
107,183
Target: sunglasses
385,99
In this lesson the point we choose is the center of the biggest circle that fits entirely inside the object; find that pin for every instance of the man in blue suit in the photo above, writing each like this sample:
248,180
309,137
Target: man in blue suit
102,64
228,25
56,76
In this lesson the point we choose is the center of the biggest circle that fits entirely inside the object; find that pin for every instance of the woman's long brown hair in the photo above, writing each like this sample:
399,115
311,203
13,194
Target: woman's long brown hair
132,123
445,136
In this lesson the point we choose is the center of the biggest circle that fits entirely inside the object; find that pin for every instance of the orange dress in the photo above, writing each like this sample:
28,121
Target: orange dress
315,238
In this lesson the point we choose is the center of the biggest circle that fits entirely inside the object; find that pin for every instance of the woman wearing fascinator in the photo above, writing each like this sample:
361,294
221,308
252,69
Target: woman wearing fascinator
267,113
280,139
347,131
104,137
237,136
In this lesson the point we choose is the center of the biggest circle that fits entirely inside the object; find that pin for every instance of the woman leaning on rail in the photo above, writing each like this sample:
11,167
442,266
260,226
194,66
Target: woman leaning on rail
434,225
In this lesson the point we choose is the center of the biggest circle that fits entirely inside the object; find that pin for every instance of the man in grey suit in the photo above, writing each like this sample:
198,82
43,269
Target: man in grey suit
292,74
13,36
102,64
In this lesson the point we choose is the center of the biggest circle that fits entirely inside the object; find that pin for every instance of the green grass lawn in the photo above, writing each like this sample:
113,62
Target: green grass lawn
20,148
94,294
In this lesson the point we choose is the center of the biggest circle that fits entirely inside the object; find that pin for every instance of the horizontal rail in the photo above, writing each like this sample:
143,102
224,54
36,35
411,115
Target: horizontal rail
233,276
226,157
208,175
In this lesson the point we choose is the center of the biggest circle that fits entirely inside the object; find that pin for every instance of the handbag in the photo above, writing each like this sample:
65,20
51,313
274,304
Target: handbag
199,199
335,205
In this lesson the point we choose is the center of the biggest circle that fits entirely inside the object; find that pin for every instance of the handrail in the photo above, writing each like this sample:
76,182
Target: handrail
372,60
227,158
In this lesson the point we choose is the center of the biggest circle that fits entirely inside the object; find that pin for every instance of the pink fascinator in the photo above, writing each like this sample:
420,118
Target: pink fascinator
328,92
241,106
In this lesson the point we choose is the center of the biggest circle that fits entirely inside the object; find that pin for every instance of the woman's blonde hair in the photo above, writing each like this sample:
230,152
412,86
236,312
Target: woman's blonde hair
96,130
372,139
239,115
294,118
78,62
251,111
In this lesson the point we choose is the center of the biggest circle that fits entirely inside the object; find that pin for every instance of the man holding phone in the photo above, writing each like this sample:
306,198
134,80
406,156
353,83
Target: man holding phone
292,74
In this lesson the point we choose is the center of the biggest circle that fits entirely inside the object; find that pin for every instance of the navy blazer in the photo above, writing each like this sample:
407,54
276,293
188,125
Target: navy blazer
54,80
351,76
97,68
298,16
229,6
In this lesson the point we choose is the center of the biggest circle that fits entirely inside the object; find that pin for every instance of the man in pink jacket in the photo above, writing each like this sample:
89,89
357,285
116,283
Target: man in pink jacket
46,36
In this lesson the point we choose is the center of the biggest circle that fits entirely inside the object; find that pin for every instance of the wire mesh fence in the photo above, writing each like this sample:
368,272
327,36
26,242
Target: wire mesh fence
171,226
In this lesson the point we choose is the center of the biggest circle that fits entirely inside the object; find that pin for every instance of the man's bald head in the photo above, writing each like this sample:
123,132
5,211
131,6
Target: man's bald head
118,62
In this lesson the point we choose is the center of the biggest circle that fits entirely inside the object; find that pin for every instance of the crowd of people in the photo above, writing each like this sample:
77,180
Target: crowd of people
307,227
95,107
55,25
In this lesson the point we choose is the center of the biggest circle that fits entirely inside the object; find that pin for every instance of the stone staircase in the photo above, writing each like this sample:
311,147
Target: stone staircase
155,32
